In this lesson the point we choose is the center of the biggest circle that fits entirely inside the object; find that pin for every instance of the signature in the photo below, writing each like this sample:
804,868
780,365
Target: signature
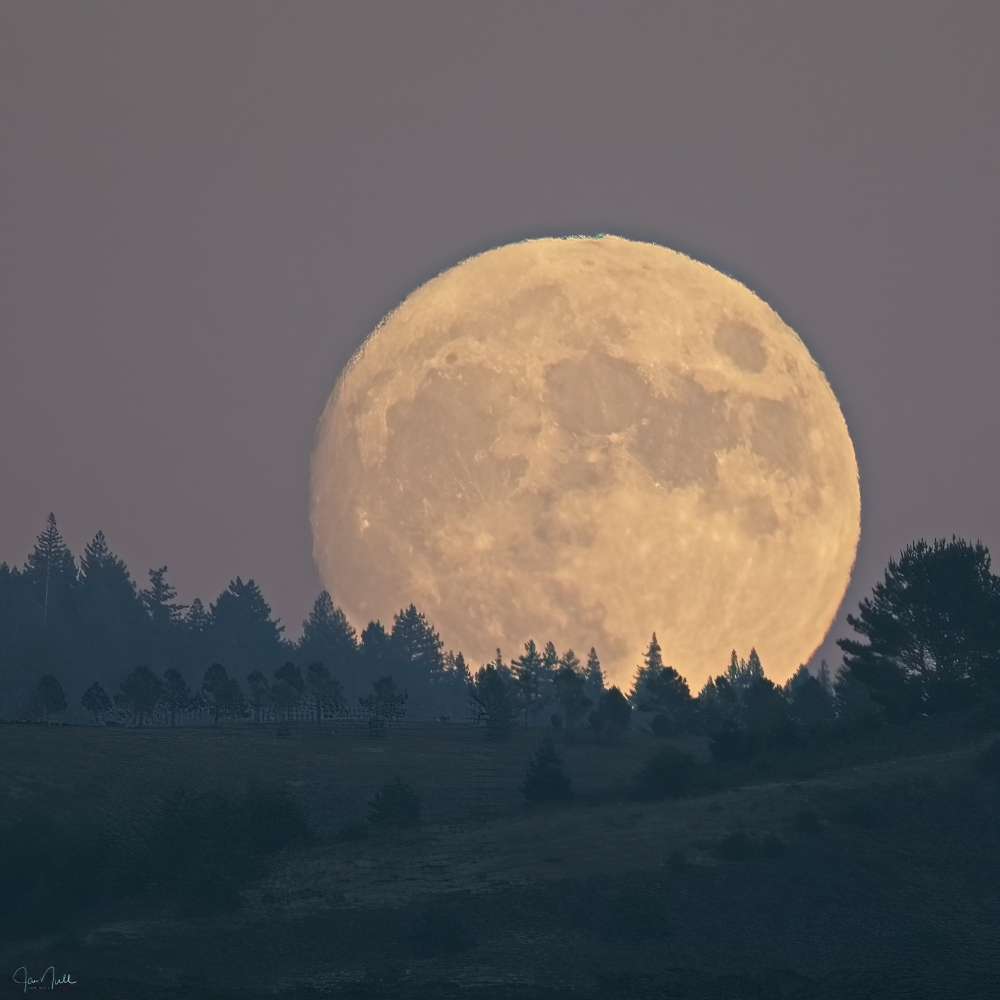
46,981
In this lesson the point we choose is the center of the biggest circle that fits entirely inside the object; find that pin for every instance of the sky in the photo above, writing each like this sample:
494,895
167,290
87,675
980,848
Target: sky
206,208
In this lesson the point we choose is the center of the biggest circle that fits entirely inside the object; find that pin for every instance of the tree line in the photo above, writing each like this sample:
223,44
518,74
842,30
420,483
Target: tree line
929,641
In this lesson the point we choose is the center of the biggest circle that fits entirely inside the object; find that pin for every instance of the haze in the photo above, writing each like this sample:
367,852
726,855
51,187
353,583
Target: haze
206,209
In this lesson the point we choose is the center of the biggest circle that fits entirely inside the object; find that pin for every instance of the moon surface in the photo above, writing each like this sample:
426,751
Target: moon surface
588,440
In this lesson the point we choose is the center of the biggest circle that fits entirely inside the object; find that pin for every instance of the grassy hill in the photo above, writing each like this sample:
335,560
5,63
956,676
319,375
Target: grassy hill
237,862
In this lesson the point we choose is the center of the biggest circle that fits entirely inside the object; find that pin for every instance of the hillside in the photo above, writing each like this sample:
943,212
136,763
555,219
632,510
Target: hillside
863,867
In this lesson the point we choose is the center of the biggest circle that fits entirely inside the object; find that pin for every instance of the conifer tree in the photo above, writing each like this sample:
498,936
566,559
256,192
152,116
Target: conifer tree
140,693
50,570
176,693
527,670
418,644
326,693
259,693
158,600
328,637
594,676
95,699
48,698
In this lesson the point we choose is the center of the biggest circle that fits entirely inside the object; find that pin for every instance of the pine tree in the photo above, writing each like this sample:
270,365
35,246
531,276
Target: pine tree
242,629
419,645
493,697
527,670
327,694
259,693
50,570
223,692
545,778
569,684
176,693
197,619
288,692
594,686
95,699
328,637
48,698
158,601
141,691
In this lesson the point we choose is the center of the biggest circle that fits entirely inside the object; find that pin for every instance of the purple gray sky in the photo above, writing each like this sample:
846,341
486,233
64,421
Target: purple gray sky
205,209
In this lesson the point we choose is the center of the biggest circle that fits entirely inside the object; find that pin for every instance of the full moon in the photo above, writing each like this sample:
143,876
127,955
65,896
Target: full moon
589,440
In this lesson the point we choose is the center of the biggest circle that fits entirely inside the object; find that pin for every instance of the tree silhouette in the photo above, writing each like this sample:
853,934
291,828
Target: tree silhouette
612,716
661,690
932,627
384,705
493,697
223,692
527,670
289,689
259,692
569,683
50,571
48,698
176,693
593,677
326,692
140,692
95,699
545,778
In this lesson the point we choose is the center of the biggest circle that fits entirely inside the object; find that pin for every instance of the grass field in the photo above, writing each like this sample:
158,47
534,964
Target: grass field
861,867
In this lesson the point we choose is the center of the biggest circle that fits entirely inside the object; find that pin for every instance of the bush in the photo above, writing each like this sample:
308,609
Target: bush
396,805
545,779
669,772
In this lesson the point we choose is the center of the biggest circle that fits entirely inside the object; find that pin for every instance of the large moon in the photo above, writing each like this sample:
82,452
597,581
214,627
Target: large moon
588,440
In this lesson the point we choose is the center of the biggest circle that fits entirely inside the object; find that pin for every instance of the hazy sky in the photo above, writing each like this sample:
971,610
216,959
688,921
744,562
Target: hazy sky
205,208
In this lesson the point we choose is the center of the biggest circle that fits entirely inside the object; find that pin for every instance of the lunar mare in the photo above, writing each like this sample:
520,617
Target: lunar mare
588,440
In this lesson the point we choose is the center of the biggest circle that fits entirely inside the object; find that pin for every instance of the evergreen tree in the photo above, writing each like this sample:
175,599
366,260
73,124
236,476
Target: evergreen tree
176,693
289,689
197,620
493,696
593,677
932,628
811,704
242,630
384,705
50,572
223,693
326,693
140,693
260,693
527,670
569,685
661,690
419,643
328,637
612,716
48,698
95,699
158,600
545,778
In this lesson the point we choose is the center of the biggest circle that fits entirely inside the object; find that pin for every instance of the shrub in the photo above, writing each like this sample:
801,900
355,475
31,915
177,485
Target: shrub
396,805
669,772
545,778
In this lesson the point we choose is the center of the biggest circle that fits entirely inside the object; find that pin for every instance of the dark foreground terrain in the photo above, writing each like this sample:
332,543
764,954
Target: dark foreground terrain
237,862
